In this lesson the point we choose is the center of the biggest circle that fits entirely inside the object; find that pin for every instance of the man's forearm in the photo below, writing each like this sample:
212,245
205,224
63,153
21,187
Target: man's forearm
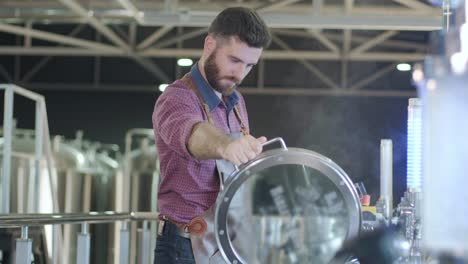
207,142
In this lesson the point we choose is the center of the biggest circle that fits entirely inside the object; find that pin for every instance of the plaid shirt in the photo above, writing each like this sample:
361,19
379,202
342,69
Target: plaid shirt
188,186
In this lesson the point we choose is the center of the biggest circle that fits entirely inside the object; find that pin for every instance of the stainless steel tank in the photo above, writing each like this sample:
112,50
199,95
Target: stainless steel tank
144,174
141,180
85,182
296,206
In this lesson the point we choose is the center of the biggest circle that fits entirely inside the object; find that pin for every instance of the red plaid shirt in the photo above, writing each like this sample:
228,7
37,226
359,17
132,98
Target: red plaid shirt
188,186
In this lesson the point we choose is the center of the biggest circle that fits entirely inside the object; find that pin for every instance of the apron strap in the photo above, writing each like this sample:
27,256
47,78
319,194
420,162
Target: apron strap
242,125
189,82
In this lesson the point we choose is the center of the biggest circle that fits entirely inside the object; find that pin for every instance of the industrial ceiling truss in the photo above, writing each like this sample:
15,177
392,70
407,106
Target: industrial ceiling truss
320,37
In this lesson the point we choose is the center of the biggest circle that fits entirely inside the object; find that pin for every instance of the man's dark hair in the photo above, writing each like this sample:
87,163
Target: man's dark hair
244,23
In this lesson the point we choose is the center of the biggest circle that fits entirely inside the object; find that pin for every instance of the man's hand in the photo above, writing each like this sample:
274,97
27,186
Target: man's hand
208,142
241,150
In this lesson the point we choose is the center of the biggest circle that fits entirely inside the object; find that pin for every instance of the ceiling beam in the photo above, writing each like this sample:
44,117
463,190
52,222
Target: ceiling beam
102,28
130,7
355,39
317,6
309,66
181,37
215,6
291,91
324,40
326,92
38,66
112,12
375,76
388,56
374,41
346,41
325,21
344,54
154,37
53,37
196,53
59,51
275,5
6,75
414,4
348,6
170,5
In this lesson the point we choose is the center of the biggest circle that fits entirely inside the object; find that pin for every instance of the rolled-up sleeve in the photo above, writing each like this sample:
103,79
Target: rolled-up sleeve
175,114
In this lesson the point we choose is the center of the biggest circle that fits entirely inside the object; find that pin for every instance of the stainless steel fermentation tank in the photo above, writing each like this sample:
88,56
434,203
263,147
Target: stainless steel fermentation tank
86,181
140,182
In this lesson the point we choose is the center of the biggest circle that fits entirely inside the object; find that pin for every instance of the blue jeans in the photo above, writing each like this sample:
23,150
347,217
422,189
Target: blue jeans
172,248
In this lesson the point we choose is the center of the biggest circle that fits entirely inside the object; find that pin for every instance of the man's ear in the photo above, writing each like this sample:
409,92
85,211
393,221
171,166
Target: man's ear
210,44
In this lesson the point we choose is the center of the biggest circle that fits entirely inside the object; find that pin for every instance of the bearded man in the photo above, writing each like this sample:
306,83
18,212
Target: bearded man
201,122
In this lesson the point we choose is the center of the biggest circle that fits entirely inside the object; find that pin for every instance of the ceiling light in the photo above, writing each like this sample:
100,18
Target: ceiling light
184,62
403,67
459,63
163,87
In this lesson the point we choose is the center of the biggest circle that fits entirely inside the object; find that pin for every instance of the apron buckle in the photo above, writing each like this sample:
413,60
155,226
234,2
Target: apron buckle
197,226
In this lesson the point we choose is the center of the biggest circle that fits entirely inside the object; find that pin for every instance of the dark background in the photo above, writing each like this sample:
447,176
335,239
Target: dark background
346,129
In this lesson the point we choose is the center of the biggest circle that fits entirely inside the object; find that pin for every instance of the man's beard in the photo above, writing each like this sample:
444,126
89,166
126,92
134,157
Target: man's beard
213,78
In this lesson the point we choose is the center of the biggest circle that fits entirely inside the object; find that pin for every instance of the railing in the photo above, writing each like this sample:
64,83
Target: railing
24,221
42,148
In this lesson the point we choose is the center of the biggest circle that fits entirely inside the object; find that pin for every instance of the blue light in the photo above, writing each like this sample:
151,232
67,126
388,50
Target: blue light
414,165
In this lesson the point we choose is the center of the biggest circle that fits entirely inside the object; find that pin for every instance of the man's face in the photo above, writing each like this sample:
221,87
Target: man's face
229,63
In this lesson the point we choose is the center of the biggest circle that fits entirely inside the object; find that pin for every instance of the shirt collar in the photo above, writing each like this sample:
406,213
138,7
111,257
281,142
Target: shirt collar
208,93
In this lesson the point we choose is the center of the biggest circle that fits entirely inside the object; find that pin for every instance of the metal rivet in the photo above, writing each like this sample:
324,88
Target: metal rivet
221,232
226,199
235,261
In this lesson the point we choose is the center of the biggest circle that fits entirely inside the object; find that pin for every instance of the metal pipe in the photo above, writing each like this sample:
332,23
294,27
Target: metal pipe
144,244
386,176
18,220
127,169
39,140
23,250
24,232
7,139
20,190
57,242
31,185
124,244
21,91
49,158
84,228
83,245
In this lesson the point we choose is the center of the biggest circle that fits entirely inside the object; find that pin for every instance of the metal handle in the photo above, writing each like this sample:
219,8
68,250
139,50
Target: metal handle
280,140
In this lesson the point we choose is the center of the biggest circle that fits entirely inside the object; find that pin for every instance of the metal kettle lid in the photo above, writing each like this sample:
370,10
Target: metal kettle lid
307,174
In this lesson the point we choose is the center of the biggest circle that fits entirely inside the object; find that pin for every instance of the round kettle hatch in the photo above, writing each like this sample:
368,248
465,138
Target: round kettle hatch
289,205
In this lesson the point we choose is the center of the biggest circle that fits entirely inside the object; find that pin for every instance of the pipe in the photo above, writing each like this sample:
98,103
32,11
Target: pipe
386,176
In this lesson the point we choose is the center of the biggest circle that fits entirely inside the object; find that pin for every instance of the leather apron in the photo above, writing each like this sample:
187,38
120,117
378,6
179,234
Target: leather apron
204,246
